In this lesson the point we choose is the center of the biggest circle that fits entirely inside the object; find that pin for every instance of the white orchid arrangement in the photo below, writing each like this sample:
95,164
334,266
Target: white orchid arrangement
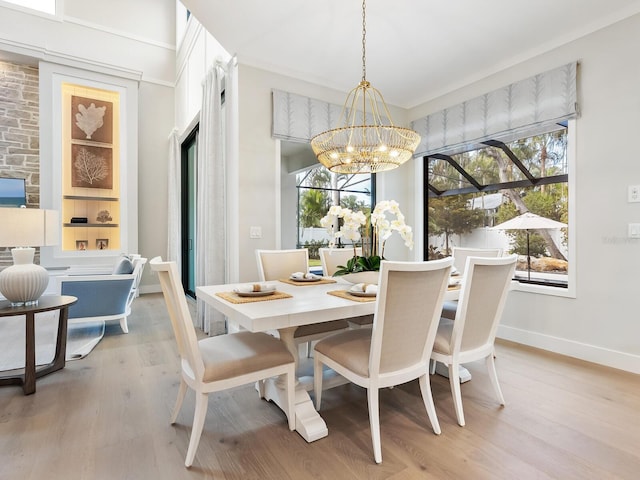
351,226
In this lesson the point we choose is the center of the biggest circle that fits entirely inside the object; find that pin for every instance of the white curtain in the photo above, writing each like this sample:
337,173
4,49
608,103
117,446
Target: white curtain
217,151
173,188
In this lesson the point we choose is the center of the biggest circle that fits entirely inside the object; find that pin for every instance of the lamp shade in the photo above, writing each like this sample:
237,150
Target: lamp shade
28,227
24,282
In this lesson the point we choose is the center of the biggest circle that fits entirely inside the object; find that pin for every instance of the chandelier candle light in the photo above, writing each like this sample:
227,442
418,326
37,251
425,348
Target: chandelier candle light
24,228
364,144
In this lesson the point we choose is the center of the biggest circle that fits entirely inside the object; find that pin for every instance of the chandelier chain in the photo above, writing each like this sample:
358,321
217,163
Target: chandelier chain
364,47
366,141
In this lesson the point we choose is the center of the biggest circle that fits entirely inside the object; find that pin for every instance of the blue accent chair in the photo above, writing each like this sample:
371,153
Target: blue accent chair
103,297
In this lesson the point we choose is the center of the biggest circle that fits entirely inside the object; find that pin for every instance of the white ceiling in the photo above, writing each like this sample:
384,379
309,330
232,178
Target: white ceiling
416,49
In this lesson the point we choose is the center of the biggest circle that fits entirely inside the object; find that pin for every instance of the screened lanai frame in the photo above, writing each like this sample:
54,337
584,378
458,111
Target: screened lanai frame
360,185
448,175
468,182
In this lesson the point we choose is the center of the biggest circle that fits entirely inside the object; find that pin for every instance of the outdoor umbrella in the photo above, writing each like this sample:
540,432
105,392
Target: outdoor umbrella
529,221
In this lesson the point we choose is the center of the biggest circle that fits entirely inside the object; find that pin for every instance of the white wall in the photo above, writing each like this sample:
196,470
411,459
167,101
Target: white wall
601,323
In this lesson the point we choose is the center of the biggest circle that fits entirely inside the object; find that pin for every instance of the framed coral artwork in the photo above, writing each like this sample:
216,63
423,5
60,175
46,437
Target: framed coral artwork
91,120
91,166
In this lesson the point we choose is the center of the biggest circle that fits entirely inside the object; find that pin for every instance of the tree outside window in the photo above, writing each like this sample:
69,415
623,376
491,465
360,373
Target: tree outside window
527,175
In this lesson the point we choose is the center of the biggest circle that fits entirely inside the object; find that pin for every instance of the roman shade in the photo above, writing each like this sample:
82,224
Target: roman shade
298,118
527,107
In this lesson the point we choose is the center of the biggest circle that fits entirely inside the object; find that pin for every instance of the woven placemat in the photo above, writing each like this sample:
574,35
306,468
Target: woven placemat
304,284
345,294
235,298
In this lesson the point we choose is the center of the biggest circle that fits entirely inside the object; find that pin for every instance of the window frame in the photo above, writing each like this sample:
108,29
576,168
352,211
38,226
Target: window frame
568,291
347,187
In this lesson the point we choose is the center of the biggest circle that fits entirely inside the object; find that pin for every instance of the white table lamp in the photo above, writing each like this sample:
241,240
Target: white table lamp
24,228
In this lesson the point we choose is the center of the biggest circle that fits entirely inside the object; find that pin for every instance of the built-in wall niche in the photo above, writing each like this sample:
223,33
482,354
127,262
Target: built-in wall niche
90,169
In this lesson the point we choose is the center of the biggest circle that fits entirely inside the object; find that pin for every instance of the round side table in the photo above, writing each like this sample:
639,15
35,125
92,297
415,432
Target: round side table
45,303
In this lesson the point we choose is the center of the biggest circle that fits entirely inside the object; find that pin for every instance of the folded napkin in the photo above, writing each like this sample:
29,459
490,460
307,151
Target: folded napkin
303,276
254,287
364,288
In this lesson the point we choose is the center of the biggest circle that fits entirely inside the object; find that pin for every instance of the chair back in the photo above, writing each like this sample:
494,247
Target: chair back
460,255
409,302
99,296
277,264
332,258
178,309
482,299
138,269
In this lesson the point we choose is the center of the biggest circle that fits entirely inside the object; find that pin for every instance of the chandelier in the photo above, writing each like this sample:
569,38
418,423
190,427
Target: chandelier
363,143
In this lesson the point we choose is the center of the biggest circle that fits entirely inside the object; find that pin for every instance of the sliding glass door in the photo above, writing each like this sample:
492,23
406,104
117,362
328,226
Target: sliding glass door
189,189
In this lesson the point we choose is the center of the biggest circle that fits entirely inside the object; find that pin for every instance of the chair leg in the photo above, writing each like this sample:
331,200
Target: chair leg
291,398
317,380
202,401
493,375
427,398
123,325
432,367
261,388
454,381
374,422
181,393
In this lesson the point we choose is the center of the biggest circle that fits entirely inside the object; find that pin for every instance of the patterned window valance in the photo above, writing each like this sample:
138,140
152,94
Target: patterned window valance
529,105
298,118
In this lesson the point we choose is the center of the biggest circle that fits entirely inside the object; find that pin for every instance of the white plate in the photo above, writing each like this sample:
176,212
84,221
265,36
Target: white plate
313,279
361,294
255,294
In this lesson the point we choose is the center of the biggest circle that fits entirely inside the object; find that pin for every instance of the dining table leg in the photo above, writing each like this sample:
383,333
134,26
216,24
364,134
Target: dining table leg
309,423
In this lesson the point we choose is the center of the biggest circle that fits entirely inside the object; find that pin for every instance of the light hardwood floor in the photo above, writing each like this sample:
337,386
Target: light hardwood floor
107,417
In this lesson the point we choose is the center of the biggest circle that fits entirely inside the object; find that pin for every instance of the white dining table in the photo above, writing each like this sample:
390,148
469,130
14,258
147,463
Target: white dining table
309,304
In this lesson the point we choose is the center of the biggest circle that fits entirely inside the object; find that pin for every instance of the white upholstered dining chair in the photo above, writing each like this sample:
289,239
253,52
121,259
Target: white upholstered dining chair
397,348
460,255
472,334
331,259
280,264
222,362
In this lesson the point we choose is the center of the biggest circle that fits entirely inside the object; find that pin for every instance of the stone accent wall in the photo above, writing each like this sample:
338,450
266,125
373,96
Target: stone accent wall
19,132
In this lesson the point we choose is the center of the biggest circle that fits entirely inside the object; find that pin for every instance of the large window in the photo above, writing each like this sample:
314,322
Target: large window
44,6
319,189
469,195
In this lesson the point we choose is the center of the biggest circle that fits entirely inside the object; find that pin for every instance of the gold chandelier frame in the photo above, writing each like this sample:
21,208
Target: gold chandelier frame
364,143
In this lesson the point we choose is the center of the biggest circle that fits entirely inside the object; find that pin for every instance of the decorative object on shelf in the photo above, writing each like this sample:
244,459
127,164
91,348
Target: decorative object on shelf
373,250
104,216
102,243
89,119
92,119
78,219
81,244
92,167
364,143
24,282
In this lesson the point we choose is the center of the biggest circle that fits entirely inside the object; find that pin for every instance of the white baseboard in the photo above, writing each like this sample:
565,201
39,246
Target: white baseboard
571,348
